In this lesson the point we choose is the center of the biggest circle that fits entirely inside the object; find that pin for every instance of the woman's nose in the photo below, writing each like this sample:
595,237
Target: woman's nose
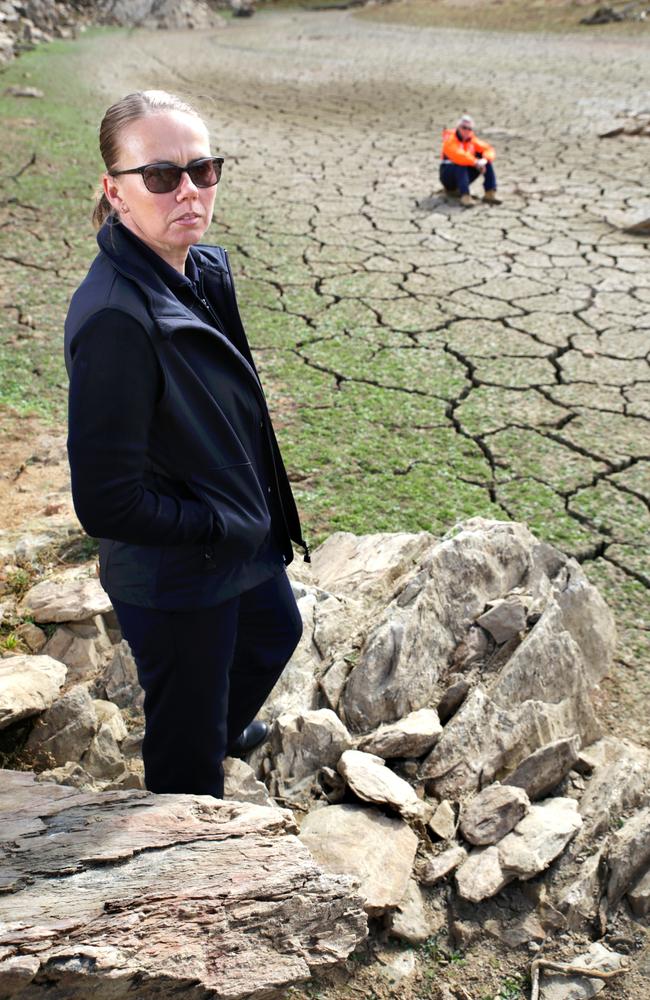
187,188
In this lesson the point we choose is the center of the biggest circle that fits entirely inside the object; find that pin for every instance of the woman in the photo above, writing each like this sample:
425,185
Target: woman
175,466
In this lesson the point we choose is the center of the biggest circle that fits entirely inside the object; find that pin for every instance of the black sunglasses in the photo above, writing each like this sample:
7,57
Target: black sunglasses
161,178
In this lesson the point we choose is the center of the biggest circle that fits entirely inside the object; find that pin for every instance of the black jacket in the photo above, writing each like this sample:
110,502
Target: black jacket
190,501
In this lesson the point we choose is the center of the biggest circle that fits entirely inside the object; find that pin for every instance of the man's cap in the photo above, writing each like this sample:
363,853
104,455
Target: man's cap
465,121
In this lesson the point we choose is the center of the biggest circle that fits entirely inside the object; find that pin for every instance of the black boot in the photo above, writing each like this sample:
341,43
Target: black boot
252,736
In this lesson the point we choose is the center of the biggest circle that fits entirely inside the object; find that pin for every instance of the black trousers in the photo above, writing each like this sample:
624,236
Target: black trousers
205,675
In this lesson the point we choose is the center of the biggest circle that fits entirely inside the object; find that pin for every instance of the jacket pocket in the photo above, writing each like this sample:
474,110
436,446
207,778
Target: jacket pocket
234,495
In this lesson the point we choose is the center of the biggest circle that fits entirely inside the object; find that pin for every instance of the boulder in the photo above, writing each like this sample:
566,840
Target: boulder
560,986
67,597
639,896
627,857
539,773
119,679
410,922
109,714
411,736
433,869
103,758
443,821
372,781
28,685
303,743
79,653
530,848
63,732
505,619
152,895
493,813
378,850
367,566
241,785
619,782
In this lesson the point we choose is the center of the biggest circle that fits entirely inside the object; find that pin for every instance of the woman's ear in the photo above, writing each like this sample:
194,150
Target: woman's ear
113,194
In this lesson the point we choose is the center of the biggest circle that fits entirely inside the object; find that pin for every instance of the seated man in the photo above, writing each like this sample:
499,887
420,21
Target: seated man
464,157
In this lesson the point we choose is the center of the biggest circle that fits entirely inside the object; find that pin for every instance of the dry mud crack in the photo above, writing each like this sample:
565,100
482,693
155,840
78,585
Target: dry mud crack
435,362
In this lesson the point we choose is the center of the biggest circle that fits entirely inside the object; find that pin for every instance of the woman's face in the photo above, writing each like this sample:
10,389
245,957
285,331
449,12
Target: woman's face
168,223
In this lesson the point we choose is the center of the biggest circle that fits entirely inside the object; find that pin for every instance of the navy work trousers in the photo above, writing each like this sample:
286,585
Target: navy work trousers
205,675
453,177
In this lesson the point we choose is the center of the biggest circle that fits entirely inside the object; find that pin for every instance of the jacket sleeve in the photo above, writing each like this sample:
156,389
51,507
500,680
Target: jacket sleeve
453,150
485,149
115,383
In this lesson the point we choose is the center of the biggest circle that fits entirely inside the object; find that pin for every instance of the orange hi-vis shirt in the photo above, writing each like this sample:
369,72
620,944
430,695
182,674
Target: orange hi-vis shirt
466,153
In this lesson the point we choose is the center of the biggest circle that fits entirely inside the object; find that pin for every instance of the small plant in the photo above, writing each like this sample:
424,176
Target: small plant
10,641
510,989
19,581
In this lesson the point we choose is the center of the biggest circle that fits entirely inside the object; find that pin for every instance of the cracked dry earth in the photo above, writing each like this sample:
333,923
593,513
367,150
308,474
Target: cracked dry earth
434,362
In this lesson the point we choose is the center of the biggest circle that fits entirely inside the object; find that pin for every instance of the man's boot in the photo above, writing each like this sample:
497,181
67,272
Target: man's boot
491,198
467,201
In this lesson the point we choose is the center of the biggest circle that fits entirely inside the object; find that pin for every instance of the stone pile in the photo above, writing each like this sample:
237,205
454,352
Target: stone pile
26,23
434,733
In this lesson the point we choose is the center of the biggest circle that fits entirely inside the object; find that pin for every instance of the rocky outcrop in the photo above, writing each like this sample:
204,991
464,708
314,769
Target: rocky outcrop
434,733
129,891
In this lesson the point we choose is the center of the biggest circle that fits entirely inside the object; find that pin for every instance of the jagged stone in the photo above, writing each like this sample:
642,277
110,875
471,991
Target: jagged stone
579,900
443,821
65,598
627,856
410,922
72,774
109,714
367,565
118,901
619,782
372,781
28,685
433,869
560,986
530,848
241,785
63,733
639,896
79,653
412,736
119,679
539,773
33,637
452,699
493,813
303,743
297,688
378,850
103,759
505,619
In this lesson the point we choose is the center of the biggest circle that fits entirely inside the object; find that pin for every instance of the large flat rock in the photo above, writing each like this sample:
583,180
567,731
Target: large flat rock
120,894
28,685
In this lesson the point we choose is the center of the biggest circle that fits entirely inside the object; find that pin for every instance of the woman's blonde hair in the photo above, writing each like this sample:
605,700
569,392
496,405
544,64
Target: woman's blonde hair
131,108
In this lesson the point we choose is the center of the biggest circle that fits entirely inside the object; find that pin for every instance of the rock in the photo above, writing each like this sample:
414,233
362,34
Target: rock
505,619
29,547
33,637
627,856
103,759
395,966
579,900
378,850
332,680
110,715
443,821
481,875
242,8
530,848
118,901
301,744
65,598
410,921
18,91
297,688
471,651
492,814
372,781
404,660
412,736
619,781
6,47
79,654
120,679
452,699
241,785
539,773
433,869
28,685
63,732
560,986
367,565
639,896
539,837
71,774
